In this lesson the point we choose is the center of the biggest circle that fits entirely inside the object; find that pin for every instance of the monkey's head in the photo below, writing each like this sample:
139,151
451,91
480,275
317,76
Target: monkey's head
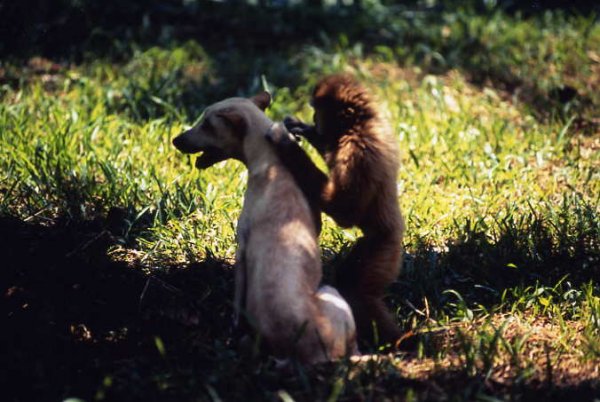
340,102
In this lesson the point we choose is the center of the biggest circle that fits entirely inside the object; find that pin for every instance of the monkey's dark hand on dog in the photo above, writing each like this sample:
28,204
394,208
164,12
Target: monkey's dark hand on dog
300,129
297,127
279,136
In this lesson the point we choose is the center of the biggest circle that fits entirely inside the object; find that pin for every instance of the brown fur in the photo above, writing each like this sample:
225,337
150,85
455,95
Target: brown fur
278,267
361,190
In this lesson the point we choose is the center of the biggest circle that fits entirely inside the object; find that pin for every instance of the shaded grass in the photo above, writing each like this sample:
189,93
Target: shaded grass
117,254
99,328
547,60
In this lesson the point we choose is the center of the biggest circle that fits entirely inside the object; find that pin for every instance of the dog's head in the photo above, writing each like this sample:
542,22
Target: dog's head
220,133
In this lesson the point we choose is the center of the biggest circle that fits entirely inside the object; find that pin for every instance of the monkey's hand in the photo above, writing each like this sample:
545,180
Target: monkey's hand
278,135
297,127
307,131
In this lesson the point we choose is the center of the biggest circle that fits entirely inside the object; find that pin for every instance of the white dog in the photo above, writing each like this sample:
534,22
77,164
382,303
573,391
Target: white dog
278,266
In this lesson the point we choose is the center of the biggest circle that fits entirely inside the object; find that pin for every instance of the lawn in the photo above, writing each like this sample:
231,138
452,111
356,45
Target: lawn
116,267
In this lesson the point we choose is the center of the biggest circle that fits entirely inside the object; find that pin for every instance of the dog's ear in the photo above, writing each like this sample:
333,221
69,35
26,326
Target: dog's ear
234,119
262,100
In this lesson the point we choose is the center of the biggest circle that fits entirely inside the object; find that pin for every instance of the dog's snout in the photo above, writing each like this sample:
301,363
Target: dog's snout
182,143
177,141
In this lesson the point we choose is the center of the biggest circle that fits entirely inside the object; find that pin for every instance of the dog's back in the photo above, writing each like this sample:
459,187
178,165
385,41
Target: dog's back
283,268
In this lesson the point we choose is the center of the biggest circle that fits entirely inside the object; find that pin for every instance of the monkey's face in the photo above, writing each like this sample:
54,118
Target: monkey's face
321,124
328,127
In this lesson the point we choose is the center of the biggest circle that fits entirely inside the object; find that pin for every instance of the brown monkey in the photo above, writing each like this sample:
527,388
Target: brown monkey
361,153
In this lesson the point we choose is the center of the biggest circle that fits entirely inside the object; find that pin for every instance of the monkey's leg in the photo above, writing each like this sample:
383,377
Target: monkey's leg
371,266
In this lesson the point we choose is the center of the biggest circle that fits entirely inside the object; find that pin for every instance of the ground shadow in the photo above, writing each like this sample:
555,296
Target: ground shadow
531,253
78,323
73,317
234,33
74,28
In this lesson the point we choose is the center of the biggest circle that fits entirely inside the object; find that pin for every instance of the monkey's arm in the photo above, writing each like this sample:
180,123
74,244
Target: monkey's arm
308,176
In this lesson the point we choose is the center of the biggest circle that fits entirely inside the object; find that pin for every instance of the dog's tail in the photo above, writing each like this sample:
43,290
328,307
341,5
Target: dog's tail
337,311
332,334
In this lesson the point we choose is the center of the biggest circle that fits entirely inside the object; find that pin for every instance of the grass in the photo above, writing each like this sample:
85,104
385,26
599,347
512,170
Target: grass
118,254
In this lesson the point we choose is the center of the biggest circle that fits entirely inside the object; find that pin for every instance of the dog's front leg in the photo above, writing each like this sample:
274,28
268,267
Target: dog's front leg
241,278
240,286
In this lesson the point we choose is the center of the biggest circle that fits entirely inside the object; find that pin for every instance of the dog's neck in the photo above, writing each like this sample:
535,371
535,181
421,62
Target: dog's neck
259,154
